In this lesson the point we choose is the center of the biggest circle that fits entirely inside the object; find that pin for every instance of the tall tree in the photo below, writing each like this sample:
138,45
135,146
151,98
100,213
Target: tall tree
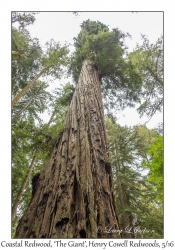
148,62
74,195
19,112
23,18
135,196
52,62
26,59
155,164
21,191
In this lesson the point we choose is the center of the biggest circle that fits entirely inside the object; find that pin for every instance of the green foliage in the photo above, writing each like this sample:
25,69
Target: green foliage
64,94
135,195
130,142
106,49
39,103
155,164
93,43
30,136
33,59
22,155
60,101
55,57
29,139
24,68
148,62
149,216
124,81
28,60
23,18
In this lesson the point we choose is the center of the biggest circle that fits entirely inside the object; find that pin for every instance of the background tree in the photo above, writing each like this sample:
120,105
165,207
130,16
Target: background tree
23,19
30,104
26,67
136,197
155,164
28,129
148,62
52,61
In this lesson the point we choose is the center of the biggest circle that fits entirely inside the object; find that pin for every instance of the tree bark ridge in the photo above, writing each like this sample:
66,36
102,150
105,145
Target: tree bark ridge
74,197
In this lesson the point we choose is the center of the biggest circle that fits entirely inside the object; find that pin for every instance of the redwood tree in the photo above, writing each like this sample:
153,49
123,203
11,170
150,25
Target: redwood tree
74,196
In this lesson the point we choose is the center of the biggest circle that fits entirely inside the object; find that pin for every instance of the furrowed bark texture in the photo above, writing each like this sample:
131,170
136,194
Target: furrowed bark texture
74,196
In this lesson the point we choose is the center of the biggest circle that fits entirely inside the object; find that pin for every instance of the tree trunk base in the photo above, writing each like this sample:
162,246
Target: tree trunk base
74,195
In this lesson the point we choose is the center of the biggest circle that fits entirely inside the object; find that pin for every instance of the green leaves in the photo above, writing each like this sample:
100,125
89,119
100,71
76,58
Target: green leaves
96,43
30,139
27,61
55,57
155,164
136,194
120,82
125,80
25,67
30,135
23,18
148,63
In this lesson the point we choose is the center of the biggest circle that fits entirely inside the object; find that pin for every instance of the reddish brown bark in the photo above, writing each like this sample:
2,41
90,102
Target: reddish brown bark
74,195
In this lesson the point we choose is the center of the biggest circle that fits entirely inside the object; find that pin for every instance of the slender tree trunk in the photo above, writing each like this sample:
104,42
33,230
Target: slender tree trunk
19,54
27,104
51,118
27,87
155,77
126,216
21,191
74,196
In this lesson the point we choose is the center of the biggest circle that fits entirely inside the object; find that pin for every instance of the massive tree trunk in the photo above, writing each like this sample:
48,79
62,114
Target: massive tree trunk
74,195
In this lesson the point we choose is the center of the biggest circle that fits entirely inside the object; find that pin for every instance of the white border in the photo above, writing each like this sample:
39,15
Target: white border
5,95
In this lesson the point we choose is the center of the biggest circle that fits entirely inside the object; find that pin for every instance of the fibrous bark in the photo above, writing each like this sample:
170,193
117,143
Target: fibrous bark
74,195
